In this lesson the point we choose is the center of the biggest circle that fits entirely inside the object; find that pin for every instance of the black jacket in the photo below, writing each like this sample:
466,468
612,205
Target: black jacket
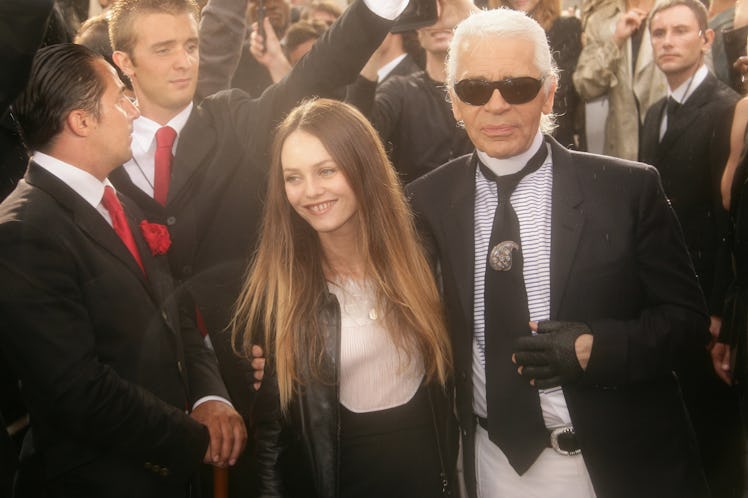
415,121
305,443
690,159
106,365
619,263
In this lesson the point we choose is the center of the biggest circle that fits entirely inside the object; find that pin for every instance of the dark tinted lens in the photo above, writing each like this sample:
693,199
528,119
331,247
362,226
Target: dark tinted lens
519,90
513,90
474,92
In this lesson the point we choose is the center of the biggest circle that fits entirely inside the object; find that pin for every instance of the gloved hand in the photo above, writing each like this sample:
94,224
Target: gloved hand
549,358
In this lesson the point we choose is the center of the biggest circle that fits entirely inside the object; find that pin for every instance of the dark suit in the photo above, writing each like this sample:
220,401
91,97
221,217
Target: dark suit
219,176
107,373
619,264
691,158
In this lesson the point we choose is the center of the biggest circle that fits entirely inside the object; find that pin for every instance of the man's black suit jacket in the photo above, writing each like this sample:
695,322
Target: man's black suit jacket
106,370
690,159
618,263
213,209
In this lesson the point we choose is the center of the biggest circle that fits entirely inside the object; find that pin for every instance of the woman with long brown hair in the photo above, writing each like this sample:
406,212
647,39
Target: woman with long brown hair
340,294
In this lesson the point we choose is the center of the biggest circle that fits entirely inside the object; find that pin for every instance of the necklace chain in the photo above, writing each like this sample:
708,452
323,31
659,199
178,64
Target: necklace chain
145,177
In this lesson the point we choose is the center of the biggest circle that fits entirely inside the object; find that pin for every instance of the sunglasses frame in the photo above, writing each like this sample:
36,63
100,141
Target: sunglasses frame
504,86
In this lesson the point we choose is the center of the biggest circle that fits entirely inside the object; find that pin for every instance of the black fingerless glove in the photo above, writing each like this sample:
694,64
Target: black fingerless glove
550,357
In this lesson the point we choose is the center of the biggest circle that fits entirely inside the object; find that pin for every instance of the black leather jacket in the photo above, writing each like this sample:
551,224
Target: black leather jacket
298,455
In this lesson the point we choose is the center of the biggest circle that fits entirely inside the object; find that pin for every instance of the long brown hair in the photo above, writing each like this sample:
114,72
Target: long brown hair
545,12
286,285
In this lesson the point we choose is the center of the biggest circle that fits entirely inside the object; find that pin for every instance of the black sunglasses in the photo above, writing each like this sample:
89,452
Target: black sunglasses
513,90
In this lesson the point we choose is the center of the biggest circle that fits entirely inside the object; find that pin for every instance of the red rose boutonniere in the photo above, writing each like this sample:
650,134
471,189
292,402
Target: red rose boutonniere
157,236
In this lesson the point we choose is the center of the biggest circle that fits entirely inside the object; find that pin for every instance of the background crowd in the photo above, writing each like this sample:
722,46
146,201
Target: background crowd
226,163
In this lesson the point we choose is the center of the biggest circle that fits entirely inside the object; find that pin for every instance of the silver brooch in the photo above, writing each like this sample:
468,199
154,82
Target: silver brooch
500,258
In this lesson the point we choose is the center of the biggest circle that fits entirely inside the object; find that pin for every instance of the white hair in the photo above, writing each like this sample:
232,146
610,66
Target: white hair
503,23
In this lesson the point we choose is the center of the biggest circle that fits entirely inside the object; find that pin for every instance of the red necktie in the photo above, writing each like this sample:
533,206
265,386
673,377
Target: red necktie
164,141
119,223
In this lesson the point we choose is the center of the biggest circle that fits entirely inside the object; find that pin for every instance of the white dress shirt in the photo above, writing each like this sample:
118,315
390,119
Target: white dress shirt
682,93
387,68
142,166
532,203
82,182
91,189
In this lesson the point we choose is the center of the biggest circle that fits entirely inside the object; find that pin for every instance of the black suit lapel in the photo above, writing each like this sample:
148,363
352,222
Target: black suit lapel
88,219
124,185
685,116
460,233
566,222
191,152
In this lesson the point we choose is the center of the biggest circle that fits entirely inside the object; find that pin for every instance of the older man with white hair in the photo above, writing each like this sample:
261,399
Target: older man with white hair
568,287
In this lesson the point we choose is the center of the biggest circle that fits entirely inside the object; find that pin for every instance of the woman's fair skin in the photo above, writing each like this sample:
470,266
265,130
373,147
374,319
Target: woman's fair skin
737,140
317,189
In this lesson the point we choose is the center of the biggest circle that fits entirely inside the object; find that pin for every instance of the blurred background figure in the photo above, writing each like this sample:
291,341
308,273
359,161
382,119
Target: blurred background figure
621,68
326,11
412,112
721,16
300,38
252,75
735,47
686,137
94,34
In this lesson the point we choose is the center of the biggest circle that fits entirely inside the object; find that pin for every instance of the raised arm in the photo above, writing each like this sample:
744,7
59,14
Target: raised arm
605,36
222,33
334,61
268,52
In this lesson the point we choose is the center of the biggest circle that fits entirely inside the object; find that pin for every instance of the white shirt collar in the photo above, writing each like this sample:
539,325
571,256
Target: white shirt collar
84,183
511,165
387,68
689,86
144,129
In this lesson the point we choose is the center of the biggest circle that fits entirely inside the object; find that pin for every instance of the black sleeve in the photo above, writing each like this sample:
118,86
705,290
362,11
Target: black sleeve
267,428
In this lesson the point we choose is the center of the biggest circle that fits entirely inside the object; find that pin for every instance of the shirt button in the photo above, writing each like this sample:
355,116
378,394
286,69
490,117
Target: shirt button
171,220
